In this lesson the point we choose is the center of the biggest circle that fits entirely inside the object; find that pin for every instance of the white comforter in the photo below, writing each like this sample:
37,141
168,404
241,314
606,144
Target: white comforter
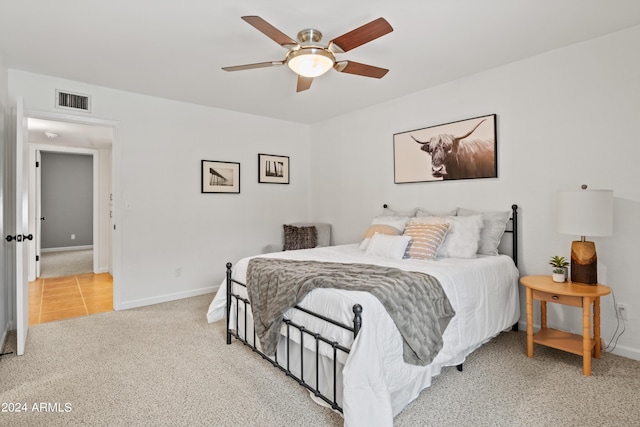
377,384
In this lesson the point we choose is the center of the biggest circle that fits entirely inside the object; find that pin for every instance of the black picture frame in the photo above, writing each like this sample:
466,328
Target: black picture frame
220,177
464,149
273,169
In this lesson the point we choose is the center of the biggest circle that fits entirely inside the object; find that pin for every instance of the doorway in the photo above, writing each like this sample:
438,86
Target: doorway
64,205
71,293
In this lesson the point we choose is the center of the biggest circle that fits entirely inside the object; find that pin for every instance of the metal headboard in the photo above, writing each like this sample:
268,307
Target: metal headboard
513,230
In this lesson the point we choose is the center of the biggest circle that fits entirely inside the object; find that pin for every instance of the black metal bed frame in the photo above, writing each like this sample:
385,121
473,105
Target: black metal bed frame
357,324
336,346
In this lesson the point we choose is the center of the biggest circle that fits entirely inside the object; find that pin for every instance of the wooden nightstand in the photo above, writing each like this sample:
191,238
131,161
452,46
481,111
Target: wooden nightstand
575,294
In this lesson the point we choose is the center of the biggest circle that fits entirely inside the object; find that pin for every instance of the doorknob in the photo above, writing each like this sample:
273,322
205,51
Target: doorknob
19,237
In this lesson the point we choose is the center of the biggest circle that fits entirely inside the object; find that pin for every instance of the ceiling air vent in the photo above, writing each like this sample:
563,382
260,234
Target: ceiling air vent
73,101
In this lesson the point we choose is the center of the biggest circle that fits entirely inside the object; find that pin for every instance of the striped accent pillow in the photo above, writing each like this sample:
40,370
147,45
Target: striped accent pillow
425,239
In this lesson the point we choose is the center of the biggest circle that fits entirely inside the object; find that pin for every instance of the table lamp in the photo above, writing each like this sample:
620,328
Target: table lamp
585,213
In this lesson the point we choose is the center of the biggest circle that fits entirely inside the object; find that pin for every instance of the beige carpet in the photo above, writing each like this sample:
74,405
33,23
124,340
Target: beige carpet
66,263
163,365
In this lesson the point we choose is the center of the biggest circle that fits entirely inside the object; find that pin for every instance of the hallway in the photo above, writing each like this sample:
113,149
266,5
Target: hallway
61,298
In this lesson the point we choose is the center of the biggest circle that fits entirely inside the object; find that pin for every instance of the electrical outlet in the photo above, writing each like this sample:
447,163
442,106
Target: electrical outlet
178,272
623,311
73,237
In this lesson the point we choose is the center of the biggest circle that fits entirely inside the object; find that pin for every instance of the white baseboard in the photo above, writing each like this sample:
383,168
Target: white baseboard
628,352
67,248
164,298
3,338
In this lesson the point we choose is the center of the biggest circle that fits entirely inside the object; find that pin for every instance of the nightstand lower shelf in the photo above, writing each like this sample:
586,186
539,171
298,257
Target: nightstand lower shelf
561,340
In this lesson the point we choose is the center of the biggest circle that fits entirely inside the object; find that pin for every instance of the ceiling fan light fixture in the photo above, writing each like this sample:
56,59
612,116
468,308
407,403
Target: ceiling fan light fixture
310,62
308,59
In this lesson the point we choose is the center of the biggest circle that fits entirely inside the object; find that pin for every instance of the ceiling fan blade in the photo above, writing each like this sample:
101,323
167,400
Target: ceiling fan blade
270,31
361,35
304,83
252,66
360,69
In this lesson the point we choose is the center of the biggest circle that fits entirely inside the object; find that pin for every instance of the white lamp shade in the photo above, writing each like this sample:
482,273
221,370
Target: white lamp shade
585,212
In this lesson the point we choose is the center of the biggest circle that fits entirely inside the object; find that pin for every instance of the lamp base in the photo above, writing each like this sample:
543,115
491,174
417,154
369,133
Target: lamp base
584,262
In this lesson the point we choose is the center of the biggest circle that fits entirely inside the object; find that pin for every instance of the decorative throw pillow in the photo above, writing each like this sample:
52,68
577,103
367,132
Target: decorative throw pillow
493,226
425,239
462,238
389,225
300,237
387,246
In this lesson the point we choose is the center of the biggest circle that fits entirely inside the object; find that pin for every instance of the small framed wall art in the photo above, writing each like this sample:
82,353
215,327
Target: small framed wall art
220,177
273,169
465,149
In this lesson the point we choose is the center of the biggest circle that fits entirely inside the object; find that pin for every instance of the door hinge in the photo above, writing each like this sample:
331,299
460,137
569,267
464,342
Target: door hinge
37,258
37,164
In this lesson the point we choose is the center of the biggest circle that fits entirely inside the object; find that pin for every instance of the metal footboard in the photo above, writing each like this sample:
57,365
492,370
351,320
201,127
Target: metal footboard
336,346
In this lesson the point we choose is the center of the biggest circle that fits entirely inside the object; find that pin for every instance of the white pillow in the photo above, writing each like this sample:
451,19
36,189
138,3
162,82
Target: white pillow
392,225
386,246
463,236
421,212
493,226
391,212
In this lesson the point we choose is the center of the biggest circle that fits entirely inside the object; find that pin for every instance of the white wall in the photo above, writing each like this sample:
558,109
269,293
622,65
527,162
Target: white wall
157,151
565,118
105,248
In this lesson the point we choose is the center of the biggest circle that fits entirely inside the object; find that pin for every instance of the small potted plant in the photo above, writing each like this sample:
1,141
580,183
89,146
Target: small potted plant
559,264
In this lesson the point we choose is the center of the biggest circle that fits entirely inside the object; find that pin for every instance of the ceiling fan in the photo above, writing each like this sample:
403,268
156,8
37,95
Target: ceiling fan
308,59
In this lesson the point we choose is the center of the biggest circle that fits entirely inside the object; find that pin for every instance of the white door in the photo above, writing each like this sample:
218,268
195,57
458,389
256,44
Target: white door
38,208
21,191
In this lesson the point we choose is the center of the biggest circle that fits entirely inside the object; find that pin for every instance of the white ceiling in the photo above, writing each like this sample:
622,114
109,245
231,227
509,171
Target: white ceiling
175,49
70,134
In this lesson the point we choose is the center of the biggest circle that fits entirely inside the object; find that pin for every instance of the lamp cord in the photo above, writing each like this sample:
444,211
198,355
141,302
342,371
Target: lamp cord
615,343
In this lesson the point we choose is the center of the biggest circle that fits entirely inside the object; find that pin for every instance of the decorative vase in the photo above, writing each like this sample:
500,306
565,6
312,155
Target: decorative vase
558,277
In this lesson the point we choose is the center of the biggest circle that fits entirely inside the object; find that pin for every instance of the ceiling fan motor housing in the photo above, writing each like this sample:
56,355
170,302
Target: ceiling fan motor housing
309,35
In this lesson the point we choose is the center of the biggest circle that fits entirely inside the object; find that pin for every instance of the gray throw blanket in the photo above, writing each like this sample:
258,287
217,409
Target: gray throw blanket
415,301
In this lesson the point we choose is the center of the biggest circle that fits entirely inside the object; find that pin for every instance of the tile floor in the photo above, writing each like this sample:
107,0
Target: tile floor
72,296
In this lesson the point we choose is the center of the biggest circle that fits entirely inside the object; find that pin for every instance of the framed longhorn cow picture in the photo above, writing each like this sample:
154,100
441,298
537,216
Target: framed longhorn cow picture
466,149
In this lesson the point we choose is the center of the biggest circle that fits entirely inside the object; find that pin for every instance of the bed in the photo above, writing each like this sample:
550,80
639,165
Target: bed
344,347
